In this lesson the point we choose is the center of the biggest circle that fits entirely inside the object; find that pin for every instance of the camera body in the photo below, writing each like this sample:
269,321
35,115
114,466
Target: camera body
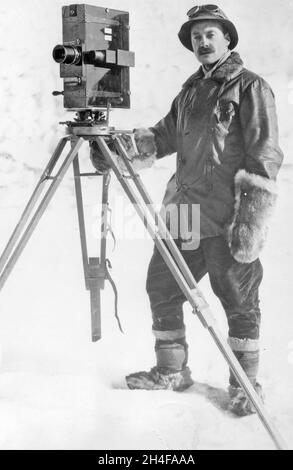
94,57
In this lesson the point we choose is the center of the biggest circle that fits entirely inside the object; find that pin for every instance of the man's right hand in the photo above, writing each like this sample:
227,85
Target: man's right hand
145,142
145,158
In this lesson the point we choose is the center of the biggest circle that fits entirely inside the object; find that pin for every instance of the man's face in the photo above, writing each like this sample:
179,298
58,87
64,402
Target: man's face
209,41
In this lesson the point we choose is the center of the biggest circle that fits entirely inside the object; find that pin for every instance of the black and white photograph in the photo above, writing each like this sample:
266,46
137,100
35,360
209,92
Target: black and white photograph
146,177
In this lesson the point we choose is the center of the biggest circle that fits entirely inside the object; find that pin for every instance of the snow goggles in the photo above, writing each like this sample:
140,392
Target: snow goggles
204,8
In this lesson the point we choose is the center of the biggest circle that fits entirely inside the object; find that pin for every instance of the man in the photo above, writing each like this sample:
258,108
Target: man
223,127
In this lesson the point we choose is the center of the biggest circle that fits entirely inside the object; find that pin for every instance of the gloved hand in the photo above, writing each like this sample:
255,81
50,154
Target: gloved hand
255,199
97,158
141,157
145,154
145,142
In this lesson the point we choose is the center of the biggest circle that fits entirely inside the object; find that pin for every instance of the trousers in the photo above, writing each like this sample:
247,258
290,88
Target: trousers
235,284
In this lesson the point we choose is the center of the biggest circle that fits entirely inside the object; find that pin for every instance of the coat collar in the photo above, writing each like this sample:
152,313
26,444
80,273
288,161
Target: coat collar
232,67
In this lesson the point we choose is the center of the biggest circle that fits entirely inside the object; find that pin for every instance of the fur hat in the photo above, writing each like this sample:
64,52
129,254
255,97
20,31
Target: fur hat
202,13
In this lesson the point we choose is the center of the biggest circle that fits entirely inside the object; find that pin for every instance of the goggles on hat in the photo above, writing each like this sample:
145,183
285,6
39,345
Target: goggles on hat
204,8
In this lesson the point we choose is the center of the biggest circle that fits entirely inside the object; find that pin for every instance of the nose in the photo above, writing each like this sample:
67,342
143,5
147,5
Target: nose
204,42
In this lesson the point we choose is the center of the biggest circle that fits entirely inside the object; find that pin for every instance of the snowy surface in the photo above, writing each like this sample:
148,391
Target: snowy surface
57,389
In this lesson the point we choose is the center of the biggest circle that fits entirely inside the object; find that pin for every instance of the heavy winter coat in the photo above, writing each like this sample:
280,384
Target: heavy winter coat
219,126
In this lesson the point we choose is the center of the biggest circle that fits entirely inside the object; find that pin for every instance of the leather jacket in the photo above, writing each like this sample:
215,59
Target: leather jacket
217,126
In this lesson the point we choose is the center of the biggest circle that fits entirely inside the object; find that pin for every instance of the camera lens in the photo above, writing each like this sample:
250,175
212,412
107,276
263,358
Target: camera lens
67,54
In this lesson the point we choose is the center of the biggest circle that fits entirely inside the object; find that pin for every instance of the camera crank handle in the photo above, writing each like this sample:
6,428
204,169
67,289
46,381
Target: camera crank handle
57,93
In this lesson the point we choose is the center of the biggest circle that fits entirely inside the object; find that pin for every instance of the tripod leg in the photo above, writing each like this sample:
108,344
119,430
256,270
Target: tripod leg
95,296
39,212
98,268
188,285
32,202
94,280
80,213
104,218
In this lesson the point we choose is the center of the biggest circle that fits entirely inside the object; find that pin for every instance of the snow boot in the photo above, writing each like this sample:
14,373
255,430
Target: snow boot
247,354
239,404
156,380
170,373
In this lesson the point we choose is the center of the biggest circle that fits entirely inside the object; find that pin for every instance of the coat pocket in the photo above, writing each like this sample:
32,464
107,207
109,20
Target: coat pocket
222,120
224,113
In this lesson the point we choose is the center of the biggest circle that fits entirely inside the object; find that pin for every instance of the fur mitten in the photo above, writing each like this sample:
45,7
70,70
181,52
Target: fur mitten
146,148
255,198
145,141
97,158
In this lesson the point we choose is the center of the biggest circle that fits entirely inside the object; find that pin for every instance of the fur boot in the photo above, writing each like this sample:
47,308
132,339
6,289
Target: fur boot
239,404
255,198
171,372
247,354
156,380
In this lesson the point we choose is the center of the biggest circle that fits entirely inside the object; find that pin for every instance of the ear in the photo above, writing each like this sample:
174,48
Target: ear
227,37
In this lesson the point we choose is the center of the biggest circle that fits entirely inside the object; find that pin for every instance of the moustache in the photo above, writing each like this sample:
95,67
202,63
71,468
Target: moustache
205,51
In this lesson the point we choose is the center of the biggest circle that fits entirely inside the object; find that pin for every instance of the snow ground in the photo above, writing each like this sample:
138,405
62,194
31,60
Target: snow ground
57,389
